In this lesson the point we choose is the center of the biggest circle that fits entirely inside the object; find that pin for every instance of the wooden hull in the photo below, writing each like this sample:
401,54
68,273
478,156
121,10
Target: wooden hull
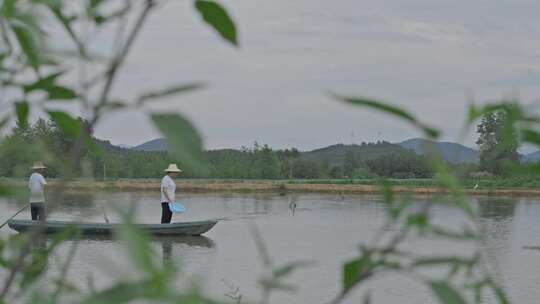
185,228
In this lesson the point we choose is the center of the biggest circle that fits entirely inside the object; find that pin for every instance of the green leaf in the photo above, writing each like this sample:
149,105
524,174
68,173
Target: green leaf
392,110
115,105
290,267
40,255
419,220
353,270
168,92
530,136
69,125
27,38
137,244
4,122
23,109
60,93
183,140
7,8
217,17
443,260
42,83
500,294
36,267
123,293
270,284
445,293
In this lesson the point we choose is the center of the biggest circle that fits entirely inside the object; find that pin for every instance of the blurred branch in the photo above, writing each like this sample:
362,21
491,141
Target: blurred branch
119,59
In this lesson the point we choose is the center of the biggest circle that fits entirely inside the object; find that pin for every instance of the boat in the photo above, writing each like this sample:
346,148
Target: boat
172,229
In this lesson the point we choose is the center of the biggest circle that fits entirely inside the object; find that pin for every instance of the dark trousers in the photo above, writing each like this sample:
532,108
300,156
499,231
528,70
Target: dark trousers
37,210
166,213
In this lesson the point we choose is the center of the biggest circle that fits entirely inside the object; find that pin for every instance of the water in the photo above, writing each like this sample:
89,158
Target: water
325,229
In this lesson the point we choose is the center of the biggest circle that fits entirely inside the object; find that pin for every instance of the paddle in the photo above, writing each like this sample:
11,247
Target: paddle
9,219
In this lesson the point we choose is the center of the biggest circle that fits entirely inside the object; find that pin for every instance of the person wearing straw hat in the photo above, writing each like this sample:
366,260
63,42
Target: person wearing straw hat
36,184
168,189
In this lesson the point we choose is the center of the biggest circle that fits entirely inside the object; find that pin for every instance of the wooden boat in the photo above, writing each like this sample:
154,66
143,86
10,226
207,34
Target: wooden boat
184,228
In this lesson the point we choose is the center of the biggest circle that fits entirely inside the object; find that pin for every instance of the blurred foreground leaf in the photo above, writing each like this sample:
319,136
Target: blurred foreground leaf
184,141
138,247
392,110
168,92
22,108
216,16
69,125
27,35
445,293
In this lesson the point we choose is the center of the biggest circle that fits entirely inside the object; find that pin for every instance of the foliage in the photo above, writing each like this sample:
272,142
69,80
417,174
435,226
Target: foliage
403,165
257,162
498,143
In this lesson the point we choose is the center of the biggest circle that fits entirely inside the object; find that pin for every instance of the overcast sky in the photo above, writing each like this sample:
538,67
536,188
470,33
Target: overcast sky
427,56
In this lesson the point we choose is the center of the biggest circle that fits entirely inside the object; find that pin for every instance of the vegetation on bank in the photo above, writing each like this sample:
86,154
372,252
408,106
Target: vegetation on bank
499,162
339,186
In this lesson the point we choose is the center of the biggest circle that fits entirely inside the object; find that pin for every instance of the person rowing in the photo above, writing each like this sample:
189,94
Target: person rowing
168,191
36,184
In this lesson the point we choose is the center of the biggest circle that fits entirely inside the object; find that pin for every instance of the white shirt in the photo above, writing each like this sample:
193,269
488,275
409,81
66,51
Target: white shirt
168,185
36,184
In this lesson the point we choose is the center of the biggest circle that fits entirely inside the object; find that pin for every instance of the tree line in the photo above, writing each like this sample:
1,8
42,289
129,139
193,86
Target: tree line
44,140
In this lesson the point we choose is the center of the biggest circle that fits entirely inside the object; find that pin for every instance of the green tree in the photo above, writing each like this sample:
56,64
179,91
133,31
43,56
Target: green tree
498,142
288,157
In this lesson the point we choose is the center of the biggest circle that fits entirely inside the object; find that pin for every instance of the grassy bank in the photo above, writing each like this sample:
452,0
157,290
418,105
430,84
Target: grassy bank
418,186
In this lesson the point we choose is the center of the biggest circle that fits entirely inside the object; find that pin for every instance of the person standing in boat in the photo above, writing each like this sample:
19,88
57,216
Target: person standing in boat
168,189
36,184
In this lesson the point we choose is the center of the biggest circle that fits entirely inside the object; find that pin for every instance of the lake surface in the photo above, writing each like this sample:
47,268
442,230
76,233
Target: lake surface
325,229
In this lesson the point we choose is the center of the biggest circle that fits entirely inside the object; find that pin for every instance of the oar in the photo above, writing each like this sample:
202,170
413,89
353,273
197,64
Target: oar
9,219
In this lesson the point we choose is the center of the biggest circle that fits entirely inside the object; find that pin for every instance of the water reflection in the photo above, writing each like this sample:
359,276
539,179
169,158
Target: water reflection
496,216
292,205
496,208
169,244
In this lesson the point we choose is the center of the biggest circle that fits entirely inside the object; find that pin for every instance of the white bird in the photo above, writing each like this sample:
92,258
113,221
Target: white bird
475,187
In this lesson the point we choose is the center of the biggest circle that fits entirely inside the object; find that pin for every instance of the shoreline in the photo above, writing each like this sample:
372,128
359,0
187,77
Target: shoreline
266,186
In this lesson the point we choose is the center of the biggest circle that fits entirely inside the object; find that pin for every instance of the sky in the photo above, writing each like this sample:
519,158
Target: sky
432,58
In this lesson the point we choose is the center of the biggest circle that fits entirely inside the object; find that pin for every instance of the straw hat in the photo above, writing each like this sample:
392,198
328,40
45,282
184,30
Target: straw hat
38,165
172,168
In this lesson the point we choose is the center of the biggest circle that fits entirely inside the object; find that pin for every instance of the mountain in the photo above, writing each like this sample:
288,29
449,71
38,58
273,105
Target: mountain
335,154
156,145
531,157
448,151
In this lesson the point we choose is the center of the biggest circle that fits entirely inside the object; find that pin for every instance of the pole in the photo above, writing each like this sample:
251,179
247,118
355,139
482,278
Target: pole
16,213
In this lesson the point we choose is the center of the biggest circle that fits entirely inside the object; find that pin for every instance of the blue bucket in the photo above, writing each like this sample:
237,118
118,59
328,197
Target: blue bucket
176,207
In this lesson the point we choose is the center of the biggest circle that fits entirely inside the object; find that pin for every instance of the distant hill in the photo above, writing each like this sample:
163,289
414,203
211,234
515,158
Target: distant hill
156,145
335,154
448,151
531,157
